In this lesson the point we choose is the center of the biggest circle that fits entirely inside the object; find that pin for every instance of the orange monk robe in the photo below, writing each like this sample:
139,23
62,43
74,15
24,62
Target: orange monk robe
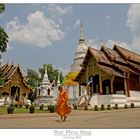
62,106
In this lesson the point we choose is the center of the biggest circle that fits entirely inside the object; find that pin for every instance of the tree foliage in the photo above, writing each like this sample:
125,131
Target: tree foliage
2,8
3,42
33,78
3,34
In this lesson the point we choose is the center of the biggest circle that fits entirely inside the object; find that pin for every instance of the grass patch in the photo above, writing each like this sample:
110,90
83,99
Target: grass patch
3,110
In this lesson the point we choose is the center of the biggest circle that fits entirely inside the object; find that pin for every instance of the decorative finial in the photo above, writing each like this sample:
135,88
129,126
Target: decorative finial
13,62
45,68
58,79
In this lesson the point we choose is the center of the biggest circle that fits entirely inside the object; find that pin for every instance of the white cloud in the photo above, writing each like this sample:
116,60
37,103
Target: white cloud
77,23
64,71
108,17
57,9
133,21
110,43
9,47
39,30
60,21
90,41
136,44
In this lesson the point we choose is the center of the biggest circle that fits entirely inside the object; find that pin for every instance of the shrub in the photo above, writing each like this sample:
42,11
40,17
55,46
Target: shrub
48,107
26,106
125,106
75,107
132,105
96,108
52,108
116,106
20,105
16,105
41,106
85,107
10,109
24,94
108,106
102,107
32,108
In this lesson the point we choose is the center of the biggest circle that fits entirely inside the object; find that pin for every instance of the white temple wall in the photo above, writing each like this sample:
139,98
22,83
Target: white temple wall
135,94
121,100
118,98
134,98
108,99
73,92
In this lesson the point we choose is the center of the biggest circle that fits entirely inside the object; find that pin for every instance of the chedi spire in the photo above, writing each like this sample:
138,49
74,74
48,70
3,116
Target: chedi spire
81,33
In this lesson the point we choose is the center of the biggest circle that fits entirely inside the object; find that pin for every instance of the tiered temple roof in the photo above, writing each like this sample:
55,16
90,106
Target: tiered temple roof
117,61
9,71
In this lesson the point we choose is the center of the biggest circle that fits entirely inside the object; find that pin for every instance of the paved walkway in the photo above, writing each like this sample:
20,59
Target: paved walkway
122,118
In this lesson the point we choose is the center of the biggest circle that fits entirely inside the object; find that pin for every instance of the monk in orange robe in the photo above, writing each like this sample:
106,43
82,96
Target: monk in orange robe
62,107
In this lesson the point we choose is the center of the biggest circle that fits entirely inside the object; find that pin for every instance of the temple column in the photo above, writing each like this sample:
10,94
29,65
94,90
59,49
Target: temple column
0,93
87,80
111,85
79,90
125,85
139,83
100,84
128,88
9,89
87,74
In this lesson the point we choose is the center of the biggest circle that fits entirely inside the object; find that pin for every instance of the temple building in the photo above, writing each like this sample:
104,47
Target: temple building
15,83
111,76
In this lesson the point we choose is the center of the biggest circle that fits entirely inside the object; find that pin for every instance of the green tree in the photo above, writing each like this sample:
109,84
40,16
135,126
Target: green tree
3,42
33,78
2,8
3,34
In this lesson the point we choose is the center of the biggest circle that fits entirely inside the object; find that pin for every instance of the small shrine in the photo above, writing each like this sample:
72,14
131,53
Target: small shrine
45,88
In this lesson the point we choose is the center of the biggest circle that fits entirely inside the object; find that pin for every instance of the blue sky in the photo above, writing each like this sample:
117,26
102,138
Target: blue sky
49,33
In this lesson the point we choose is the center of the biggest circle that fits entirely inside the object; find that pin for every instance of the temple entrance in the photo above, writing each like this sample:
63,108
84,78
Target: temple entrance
48,91
118,85
15,92
134,82
106,87
94,84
